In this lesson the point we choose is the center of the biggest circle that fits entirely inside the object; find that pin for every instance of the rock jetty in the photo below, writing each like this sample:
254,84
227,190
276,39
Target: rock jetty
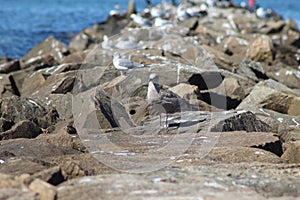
72,126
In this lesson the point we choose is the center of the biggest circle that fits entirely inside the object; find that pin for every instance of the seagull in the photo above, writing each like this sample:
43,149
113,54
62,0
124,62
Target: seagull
140,20
161,22
124,64
162,100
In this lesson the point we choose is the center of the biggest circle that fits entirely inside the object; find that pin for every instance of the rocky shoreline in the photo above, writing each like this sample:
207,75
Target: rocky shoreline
238,139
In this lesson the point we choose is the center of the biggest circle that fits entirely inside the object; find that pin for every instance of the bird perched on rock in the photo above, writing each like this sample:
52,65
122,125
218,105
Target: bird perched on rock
124,64
140,20
162,100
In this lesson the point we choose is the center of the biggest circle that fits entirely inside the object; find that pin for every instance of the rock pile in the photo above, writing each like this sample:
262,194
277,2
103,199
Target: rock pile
238,139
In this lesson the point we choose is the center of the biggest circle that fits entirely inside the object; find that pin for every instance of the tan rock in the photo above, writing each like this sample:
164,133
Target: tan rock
44,189
292,151
261,49
186,91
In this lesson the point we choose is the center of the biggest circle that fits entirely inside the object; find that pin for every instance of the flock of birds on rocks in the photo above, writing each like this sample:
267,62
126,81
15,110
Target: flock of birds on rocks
162,100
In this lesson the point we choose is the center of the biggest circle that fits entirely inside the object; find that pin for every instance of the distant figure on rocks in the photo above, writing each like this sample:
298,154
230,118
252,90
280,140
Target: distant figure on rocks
251,3
163,101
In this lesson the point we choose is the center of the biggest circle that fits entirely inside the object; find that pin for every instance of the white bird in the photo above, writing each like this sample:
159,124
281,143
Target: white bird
107,43
159,12
160,22
163,101
124,64
140,20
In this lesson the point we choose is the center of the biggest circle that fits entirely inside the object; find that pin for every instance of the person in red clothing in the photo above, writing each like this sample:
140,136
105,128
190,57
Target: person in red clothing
251,3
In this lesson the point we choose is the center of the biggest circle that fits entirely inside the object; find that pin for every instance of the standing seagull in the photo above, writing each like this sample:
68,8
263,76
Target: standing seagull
124,64
163,101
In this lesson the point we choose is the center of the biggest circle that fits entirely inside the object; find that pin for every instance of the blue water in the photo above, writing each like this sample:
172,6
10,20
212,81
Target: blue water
25,23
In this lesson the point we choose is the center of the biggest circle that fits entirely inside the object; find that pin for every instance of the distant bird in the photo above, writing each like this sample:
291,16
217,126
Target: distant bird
140,20
162,100
159,11
161,22
124,64
107,43
184,13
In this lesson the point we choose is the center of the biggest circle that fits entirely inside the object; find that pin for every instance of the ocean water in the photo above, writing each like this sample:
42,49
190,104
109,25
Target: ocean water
25,23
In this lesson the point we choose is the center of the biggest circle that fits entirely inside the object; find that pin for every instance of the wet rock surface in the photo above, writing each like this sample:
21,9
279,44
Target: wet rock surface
75,123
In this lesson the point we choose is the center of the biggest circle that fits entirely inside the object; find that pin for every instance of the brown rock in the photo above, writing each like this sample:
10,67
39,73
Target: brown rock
242,154
66,85
186,91
231,88
61,102
49,46
251,69
21,166
62,139
34,148
273,27
8,86
233,45
290,133
5,124
76,57
16,109
274,96
53,176
221,59
292,24
292,152
292,38
44,189
287,76
40,62
72,169
10,66
261,49
23,129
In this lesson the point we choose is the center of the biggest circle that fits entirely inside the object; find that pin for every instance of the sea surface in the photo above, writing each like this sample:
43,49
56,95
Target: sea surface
25,23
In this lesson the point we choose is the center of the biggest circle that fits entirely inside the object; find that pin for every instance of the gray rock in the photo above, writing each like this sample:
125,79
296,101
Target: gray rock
246,121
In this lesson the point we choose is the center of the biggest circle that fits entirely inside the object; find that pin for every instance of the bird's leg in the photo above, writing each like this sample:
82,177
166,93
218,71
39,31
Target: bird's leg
159,119
166,122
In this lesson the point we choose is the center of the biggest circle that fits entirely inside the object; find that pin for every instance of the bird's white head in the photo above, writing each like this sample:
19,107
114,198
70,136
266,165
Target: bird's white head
117,55
154,78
